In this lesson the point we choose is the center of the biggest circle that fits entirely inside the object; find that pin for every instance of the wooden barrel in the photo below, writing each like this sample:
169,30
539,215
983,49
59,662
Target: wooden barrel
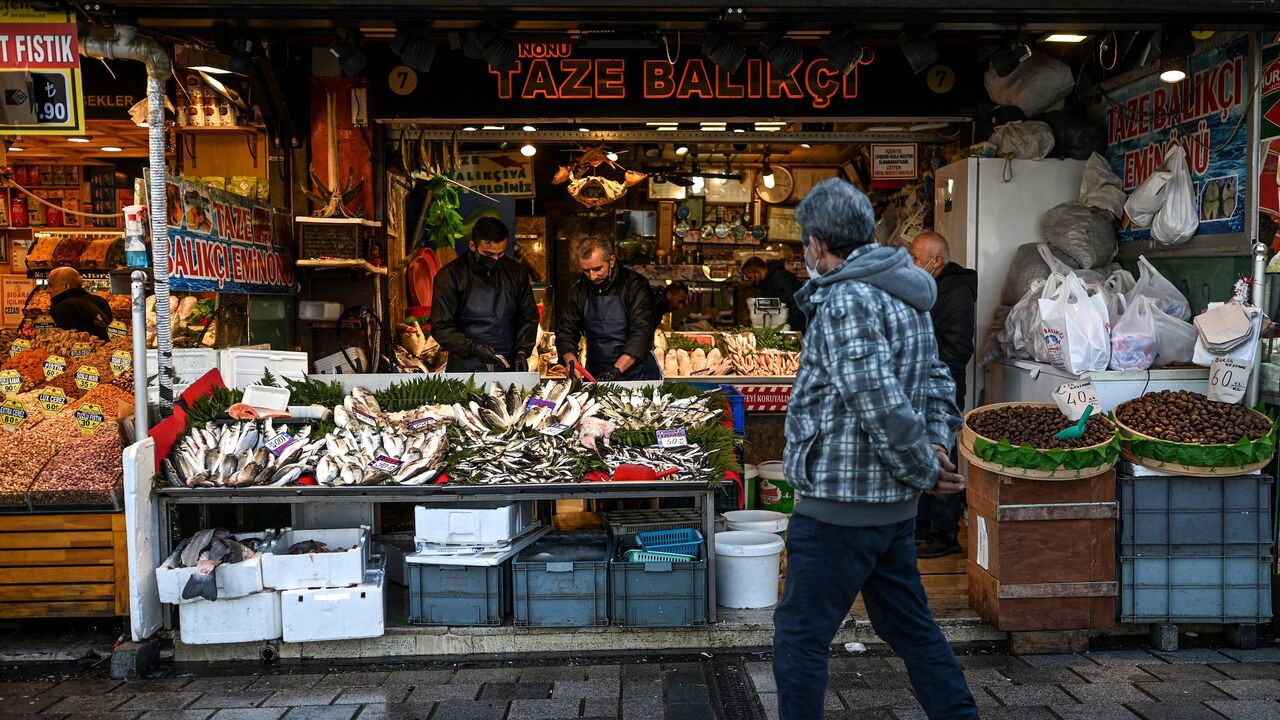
1042,556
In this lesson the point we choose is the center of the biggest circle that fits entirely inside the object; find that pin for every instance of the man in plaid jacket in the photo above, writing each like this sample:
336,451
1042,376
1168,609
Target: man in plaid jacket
869,426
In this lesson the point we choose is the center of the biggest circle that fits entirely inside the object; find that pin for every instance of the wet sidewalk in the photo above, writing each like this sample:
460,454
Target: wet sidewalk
1116,684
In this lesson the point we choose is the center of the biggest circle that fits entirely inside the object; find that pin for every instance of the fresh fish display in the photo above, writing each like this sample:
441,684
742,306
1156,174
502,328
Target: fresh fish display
238,455
206,551
516,459
651,409
692,460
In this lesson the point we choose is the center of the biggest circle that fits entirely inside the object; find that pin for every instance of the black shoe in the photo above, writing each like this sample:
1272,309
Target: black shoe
938,548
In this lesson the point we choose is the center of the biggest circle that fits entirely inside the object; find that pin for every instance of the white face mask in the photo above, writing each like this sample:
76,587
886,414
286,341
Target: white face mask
812,268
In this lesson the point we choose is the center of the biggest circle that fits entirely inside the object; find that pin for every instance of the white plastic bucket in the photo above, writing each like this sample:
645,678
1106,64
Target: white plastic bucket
762,521
747,569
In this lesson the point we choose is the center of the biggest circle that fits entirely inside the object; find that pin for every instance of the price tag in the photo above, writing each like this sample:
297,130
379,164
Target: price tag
1073,397
10,382
421,424
54,365
554,429
19,346
279,442
12,414
89,416
81,349
44,324
539,402
1228,379
672,438
121,361
385,464
52,400
366,419
88,377
117,329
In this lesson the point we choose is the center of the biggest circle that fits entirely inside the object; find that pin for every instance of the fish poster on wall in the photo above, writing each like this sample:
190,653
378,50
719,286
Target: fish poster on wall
1207,115
222,242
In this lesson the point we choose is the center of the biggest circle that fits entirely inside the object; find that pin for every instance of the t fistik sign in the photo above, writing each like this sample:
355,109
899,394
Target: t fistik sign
40,88
559,79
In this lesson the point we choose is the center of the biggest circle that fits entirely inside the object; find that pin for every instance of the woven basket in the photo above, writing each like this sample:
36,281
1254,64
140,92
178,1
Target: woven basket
1127,452
968,436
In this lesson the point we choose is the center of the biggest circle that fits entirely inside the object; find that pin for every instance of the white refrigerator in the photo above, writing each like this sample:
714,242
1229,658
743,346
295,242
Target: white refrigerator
987,208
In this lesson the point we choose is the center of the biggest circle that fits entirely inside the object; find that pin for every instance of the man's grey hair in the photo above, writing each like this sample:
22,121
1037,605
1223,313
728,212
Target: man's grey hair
587,244
838,214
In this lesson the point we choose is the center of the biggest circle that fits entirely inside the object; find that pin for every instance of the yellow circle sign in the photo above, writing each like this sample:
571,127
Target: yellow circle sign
1202,34
54,365
403,80
52,400
88,377
89,416
940,79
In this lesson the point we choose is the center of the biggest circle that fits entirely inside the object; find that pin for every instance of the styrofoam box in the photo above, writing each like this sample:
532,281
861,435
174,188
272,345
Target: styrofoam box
394,548
339,363
248,619
1025,381
264,397
190,364
234,581
320,570
242,367
324,311
337,613
470,524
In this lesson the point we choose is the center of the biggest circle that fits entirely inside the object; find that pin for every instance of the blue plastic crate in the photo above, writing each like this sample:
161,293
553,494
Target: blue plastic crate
737,403
1216,590
678,541
1177,516
658,594
463,595
561,594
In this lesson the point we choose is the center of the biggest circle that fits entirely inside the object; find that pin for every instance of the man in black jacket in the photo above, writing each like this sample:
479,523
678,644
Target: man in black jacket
611,306
774,280
668,299
482,310
73,308
938,520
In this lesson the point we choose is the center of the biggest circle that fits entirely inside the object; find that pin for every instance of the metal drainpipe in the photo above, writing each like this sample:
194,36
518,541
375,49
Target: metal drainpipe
125,44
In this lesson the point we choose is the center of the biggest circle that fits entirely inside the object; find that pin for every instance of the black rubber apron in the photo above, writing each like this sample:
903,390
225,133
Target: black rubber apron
488,317
604,320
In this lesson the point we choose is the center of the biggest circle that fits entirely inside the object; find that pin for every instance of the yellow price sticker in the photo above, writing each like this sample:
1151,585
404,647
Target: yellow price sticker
52,400
117,329
44,324
81,349
10,382
88,377
20,345
12,414
121,361
54,365
89,417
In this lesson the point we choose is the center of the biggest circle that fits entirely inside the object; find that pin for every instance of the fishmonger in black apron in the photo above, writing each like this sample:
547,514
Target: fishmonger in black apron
488,317
605,323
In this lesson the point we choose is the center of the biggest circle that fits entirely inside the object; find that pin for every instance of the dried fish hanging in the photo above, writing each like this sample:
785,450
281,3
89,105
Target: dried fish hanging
589,187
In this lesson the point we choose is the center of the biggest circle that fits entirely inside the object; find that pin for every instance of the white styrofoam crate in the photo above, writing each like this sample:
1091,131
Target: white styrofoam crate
247,619
471,524
281,571
242,367
189,364
340,363
394,548
312,310
337,613
233,581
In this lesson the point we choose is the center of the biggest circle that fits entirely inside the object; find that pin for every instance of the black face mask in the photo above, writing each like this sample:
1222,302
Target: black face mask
484,262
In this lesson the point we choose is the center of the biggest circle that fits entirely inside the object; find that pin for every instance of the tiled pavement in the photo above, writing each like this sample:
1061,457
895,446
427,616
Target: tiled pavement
1121,685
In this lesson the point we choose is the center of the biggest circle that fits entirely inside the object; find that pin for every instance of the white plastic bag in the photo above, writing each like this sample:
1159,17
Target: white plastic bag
1022,327
1148,198
1101,187
1154,285
1025,140
1179,217
1175,339
1035,86
1077,333
1133,339
1120,281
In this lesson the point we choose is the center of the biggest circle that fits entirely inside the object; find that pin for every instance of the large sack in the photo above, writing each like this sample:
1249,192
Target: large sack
1037,85
1084,234
1030,140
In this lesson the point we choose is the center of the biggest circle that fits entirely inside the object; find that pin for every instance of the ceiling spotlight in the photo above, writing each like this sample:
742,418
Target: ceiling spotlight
490,44
193,57
584,129
1064,38
1006,61
806,146
18,149
528,150
682,149
530,128
469,128
107,148
918,48
783,53
651,152
414,49
696,173
726,52
611,156
843,51
347,51
1176,45
766,173
78,139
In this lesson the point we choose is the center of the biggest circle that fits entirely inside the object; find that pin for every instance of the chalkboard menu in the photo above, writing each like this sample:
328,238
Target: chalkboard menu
325,240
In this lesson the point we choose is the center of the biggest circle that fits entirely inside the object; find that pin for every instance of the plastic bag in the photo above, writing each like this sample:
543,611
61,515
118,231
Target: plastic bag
1085,235
1133,339
1022,325
1120,281
1179,218
1148,198
1037,85
1077,333
1101,187
1029,265
1175,339
1154,285
1030,140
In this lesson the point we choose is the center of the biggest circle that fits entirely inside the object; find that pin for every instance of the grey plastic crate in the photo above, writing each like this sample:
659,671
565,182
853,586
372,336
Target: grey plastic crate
459,594
561,594
1219,590
1179,516
658,594
625,524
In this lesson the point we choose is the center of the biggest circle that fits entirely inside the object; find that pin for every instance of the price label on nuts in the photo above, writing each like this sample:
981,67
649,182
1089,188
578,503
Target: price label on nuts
12,414
121,361
44,324
19,346
1228,379
385,464
89,417
81,349
117,329
10,382
52,400
88,377
672,438
1073,397
54,365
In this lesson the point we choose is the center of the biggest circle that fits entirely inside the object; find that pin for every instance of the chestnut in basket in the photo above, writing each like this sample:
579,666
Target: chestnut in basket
1188,417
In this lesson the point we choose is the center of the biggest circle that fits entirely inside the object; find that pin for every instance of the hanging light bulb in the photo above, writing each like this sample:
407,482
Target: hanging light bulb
612,156
766,173
528,150
699,183
728,170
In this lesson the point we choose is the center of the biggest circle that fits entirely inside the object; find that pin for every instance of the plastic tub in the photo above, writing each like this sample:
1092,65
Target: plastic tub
761,521
747,565
751,483
775,492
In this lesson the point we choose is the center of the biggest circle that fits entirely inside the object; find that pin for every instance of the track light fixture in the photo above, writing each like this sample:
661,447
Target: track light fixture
919,48
1005,61
723,50
414,49
491,44
347,50
843,51
1176,45
783,53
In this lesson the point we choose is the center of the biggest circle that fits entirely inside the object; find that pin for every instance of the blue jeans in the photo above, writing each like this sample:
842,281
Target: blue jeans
827,566
939,515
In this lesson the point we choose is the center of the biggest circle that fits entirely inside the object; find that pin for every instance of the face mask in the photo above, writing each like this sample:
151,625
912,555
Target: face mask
485,262
812,268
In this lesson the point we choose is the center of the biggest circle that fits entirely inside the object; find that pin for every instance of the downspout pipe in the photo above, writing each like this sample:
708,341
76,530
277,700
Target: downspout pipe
126,44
